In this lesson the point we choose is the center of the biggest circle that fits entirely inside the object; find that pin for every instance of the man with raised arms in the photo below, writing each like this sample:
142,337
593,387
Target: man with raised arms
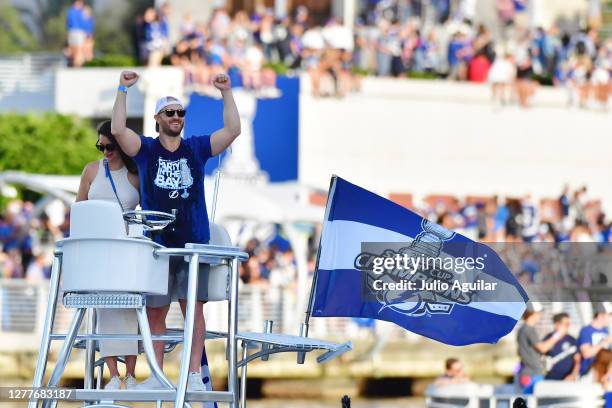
171,171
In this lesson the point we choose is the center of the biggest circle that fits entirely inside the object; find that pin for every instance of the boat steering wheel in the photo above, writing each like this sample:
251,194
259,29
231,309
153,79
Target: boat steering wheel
150,220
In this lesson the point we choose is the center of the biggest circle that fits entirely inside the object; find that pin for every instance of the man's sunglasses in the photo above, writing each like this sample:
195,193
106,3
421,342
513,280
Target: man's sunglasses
170,112
110,147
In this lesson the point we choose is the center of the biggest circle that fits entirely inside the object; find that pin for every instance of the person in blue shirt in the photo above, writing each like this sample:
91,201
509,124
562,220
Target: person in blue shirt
594,337
453,48
75,26
155,37
162,15
442,8
8,233
458,55
564,202
530,219
563,362
171,171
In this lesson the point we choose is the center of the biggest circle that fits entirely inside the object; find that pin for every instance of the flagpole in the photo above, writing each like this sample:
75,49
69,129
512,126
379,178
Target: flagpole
204,369
216,189
304,326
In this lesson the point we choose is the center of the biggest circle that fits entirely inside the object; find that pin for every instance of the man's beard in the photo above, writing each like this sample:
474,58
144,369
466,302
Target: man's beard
167,130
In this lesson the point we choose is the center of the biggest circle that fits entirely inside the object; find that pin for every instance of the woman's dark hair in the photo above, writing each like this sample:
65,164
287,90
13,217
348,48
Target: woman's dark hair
104,129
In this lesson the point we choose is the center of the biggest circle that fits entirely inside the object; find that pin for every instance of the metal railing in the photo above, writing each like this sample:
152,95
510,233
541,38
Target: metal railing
27,81
23,303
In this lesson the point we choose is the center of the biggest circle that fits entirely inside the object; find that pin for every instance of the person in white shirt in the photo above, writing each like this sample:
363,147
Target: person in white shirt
96,185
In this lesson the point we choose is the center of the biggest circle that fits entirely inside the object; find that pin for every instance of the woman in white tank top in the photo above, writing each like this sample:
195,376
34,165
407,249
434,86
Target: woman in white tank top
95,185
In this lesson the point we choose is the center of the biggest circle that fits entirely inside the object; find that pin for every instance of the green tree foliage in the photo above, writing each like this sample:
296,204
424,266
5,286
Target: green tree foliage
115,28
55,33
46,144
15,36
110,36
113,60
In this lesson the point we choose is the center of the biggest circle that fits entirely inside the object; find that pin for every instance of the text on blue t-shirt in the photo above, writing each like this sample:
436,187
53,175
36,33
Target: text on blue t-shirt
175,181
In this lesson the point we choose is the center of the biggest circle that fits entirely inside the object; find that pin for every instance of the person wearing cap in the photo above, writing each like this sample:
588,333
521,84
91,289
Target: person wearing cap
594,337
531,349
171,173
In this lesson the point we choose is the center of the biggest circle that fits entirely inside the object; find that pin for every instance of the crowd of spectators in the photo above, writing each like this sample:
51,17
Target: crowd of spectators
389,38
151,35
572,217
399,38
27,240
562,357
251,48
531,236
269,264
557,355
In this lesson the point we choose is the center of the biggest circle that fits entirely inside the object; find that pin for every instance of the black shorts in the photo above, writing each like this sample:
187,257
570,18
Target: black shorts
178,275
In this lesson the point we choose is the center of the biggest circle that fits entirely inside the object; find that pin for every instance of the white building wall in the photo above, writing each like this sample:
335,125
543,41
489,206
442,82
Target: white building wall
90,92
426,137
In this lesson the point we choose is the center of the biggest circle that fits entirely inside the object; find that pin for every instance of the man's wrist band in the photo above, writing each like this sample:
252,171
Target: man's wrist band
122,88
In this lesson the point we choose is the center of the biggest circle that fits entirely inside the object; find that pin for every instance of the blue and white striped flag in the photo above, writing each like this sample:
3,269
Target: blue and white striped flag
439,284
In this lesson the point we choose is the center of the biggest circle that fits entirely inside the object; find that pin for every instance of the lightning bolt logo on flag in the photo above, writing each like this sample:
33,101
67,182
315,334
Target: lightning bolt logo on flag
381,261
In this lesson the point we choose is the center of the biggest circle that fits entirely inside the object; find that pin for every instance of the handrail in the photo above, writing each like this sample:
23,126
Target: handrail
202,250
126,337
216,251
23,325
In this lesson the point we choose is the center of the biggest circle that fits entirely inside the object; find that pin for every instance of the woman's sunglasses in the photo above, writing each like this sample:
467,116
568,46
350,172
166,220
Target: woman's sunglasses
110,147
170,112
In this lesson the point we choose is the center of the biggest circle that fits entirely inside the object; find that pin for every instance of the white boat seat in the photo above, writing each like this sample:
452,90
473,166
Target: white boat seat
568,394
566,388
467,395
465,390
217,280
96,219
100,257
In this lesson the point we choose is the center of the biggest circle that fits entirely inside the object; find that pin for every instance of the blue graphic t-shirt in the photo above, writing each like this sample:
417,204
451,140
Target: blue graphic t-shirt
175,180
593,336
561,357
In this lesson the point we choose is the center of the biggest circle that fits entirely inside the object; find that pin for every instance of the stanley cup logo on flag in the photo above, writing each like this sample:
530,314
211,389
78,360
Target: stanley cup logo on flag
379,260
